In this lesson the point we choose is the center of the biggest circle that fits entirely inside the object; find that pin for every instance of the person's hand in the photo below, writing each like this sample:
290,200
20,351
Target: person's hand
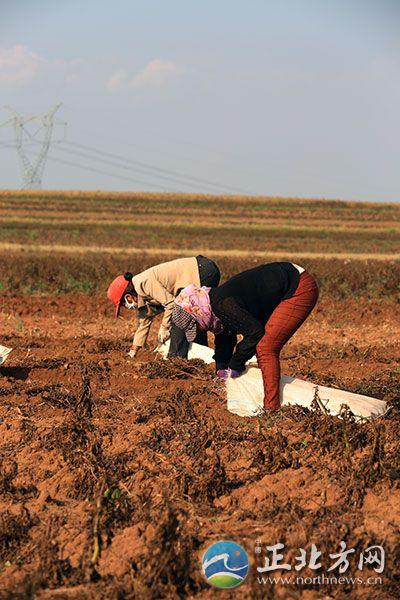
163,335
234,373
223,374
226,373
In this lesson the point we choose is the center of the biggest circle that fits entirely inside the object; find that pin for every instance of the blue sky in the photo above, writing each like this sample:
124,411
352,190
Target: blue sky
288,97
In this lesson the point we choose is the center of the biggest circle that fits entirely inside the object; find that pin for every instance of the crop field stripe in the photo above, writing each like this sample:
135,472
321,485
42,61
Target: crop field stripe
164,205
95,195
100,218
70,249
204,224
180,228
202,212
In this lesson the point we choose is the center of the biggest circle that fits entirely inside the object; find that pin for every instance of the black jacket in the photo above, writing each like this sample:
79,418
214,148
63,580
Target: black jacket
244,304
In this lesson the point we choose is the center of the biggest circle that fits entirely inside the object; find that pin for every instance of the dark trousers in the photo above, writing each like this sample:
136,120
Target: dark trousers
209,276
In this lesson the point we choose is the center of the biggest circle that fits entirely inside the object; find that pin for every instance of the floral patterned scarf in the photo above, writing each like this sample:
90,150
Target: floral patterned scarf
195,302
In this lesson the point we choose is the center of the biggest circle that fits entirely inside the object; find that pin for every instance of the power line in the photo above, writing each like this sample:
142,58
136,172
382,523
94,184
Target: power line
94,170
303,175
158,169
125,167
12,144
121,162
300,174
84,167
32,170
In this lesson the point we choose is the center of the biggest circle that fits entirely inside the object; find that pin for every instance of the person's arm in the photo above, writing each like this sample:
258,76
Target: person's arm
168,310
142,331
224,345
238,319
155,289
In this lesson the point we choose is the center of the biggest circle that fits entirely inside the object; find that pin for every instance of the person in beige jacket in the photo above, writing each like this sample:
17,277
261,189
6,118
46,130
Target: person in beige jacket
153,291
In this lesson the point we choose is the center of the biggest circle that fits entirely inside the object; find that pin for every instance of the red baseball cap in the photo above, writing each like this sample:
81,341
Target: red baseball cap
117,289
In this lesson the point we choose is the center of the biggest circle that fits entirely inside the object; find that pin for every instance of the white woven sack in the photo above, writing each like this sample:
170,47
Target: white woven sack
245,394
4,352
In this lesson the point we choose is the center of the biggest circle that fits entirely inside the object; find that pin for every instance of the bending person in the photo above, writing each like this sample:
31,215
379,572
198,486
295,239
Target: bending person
153,292
266,305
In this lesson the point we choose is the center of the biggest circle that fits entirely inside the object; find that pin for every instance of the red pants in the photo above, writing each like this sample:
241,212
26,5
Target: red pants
282,324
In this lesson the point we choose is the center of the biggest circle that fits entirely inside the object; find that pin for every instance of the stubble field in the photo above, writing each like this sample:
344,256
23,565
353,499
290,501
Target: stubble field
115,474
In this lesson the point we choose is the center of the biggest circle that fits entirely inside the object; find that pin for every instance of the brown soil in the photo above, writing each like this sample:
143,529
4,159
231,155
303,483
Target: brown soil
116,474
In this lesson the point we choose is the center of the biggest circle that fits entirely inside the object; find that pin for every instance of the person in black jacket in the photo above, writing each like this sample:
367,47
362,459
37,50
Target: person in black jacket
266,305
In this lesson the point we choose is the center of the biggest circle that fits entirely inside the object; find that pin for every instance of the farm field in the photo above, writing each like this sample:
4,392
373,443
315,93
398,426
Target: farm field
212,223
115,475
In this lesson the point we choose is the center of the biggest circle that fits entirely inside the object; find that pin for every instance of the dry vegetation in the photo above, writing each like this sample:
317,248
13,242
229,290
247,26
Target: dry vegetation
24,272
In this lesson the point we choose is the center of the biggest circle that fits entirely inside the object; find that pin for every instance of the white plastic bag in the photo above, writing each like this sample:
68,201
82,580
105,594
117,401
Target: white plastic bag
4,352
245,394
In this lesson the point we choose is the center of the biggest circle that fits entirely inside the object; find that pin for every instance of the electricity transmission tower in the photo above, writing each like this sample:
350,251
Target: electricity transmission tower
32,169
